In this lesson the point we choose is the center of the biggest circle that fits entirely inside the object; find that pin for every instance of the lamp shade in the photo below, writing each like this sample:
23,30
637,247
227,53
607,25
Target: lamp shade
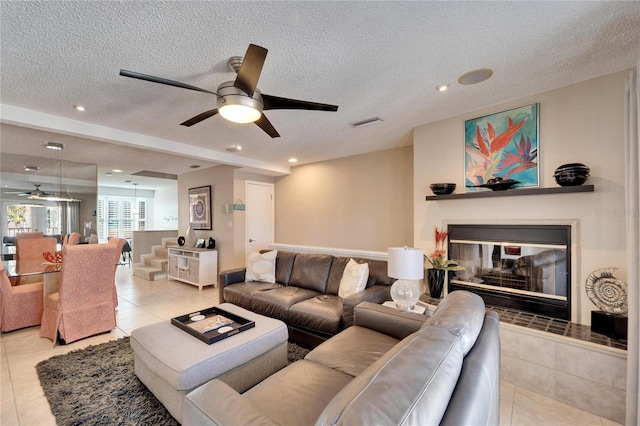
405,263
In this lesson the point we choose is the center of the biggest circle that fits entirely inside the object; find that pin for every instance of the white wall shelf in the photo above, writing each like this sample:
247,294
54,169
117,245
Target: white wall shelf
194,266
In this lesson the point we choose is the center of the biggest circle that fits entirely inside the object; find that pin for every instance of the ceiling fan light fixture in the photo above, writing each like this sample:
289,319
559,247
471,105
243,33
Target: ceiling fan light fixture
237,106
239,113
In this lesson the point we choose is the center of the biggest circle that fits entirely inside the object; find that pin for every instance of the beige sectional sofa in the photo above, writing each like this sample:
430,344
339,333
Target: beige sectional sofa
390,368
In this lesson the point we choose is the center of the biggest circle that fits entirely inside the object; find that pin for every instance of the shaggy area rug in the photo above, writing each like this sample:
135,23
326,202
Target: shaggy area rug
97,386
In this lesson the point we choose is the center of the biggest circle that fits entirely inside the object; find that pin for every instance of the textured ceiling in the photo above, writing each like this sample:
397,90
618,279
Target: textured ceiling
371,58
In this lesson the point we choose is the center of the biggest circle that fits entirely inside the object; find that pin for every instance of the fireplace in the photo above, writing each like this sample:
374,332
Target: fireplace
524,267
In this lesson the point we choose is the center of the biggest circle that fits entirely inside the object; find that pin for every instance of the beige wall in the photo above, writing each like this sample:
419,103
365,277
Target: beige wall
221,180
579,123
360,202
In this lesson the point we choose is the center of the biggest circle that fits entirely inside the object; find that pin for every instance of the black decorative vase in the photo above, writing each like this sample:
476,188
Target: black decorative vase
181,241
212,243
435,280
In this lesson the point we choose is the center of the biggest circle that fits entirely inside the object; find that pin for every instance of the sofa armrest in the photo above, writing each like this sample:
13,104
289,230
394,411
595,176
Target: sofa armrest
374,294
390,321
216,403
232,276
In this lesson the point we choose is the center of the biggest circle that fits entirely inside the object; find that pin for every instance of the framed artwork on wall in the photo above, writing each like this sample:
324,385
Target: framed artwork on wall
503,145
200,207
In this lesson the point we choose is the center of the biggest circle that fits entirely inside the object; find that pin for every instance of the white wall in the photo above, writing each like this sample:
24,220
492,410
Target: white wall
579,123
165,208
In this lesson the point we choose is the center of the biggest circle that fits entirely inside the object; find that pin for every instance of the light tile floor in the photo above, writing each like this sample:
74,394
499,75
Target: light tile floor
142,302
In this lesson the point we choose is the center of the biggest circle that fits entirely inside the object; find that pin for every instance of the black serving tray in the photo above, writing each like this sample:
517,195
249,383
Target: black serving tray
239,324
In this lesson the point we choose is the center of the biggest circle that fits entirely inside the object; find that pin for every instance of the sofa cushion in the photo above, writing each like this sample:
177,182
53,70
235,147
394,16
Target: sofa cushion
422,371
284,265
354,278
321,313
353,350
476,399
240,294
296,395
422,384
378,273
262,267
462,314
276,303
336,272
311,271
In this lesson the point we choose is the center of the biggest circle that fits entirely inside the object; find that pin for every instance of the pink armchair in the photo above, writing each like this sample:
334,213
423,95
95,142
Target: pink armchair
72,238
119,243
32,248
84,304
20,306
29,250
33,234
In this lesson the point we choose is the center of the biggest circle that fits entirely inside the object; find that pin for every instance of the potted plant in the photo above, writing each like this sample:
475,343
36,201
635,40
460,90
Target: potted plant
439,262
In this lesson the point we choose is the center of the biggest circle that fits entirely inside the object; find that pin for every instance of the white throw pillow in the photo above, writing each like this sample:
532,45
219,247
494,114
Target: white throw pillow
261,267
354,278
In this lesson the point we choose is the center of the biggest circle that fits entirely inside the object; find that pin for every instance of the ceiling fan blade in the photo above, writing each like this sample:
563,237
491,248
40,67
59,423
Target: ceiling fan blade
274,102
266,125
249,72
161,80
200,117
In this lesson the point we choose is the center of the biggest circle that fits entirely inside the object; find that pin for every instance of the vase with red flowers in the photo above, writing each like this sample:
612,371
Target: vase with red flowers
440,264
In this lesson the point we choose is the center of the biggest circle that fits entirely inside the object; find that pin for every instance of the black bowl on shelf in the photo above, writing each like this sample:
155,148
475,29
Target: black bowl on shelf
442,188
570,179
572,174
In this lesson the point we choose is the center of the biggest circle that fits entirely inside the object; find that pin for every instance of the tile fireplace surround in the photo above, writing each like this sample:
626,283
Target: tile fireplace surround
562,360
550,325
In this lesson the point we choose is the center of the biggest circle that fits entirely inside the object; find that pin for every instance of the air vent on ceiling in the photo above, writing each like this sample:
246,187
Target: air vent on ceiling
159,175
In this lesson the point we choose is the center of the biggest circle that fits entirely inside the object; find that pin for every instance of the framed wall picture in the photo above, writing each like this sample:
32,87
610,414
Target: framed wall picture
502,145
200,207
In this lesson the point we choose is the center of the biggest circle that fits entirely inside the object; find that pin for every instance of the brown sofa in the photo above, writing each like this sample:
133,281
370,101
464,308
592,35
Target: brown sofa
305,294
390,368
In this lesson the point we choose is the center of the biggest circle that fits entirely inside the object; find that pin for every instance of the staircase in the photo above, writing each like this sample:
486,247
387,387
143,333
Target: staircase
153,266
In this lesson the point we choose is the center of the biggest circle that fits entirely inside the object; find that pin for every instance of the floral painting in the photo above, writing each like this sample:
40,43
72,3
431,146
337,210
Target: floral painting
502,145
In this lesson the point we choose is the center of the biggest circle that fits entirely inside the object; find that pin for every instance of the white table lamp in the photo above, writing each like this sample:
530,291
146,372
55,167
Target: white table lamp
407,266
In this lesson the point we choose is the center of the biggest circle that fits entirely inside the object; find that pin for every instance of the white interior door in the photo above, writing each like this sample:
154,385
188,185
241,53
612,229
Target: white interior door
259,215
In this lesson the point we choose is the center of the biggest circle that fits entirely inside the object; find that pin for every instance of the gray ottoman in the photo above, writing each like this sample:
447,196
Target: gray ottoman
171,362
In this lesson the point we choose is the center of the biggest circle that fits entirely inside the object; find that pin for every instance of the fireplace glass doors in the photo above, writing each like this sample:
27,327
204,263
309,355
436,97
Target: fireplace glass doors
525,267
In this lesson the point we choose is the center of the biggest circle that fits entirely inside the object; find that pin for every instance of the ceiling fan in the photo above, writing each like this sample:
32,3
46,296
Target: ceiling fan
240,100
36,192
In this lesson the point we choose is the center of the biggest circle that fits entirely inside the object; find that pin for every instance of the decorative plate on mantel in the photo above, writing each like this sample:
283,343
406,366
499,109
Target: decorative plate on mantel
496,184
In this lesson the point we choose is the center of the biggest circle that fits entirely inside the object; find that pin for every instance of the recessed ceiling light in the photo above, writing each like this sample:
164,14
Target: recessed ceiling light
108,174
54,146
79,108
31,168
366,122
194,166
127,181
233,148
116,171
293,160
442,87
475,76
